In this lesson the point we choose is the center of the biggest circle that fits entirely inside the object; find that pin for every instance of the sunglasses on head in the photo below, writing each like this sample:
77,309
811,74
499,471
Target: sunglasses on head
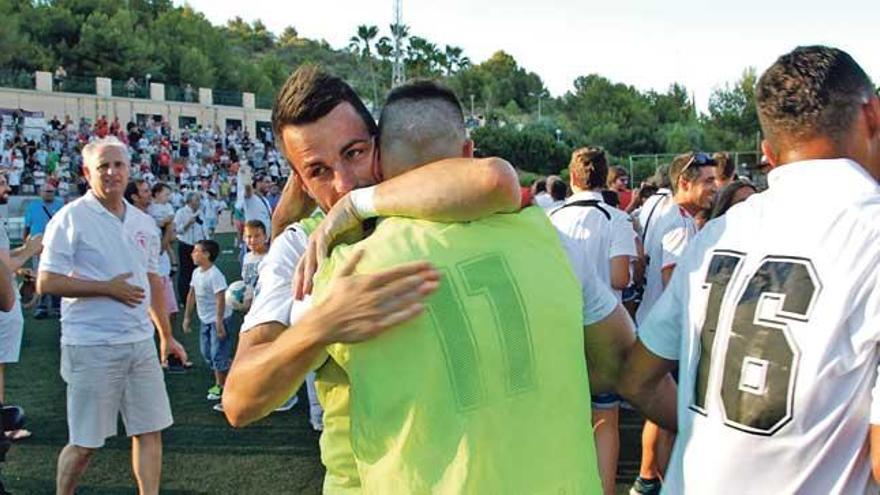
700,160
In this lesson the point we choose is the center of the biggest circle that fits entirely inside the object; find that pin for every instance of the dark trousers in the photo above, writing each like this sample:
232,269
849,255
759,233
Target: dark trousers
184,257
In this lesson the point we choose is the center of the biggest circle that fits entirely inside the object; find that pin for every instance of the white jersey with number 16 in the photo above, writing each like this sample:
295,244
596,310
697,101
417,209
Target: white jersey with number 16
774,315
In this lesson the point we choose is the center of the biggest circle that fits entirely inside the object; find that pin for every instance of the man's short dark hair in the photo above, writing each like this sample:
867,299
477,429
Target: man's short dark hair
255,224
558,189
811,91
159,187
611,198
539,185
688,166
422,89
131,189
589,167
309,94
421,122
211,247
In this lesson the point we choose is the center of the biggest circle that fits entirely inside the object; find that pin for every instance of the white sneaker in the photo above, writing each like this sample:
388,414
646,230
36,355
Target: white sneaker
287,406
218,407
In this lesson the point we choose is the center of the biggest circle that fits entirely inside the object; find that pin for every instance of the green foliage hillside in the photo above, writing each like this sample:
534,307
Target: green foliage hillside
179,46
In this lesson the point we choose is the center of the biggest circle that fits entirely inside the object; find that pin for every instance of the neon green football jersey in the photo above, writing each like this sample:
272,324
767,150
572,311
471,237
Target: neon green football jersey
487,391
332,385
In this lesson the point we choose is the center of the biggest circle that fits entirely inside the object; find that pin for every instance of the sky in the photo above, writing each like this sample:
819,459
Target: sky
646,43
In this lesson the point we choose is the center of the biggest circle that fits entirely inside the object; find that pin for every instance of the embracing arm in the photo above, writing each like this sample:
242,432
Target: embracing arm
293,205
270,365
461,189
452,190
272,360
647,384
606,344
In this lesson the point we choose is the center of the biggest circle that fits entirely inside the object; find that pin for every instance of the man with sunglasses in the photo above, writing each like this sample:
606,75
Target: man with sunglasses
668,225
773,315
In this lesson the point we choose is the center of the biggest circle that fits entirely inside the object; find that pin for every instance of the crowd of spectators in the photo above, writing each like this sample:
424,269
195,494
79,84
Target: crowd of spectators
198,158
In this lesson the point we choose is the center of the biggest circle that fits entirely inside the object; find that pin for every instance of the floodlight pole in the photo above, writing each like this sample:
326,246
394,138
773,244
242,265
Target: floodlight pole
397,75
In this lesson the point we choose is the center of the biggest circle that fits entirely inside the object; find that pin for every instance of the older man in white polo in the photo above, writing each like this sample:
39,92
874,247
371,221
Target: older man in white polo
101,254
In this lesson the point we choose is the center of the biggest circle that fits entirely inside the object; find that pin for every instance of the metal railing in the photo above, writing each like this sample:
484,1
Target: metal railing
186,94
87,85
17,79
264,100
79,85
228,98
123,89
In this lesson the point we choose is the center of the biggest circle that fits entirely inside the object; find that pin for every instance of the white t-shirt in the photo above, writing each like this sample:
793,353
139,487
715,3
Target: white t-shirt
667,230
600,233
206,284
273,297
542,200
777,305
250,268
87,242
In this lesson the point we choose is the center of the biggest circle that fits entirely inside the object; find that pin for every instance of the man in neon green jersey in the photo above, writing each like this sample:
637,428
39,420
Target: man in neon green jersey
487,392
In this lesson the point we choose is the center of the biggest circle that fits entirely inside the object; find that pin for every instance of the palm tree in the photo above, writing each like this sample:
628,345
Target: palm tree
454,60
362,43
423,56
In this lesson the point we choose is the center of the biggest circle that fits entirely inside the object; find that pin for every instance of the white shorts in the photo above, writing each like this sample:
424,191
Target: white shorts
104,381
11,330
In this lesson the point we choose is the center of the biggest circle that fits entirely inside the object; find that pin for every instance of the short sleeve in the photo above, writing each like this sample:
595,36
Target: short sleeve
673,244
661,330
623,237
58,246
218,281
599,300
273,295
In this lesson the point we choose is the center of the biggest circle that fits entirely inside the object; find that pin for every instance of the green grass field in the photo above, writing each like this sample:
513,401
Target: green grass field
203,454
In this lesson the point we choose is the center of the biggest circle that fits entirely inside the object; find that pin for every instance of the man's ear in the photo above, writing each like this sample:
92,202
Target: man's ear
768,151
872,117
467,149
376,167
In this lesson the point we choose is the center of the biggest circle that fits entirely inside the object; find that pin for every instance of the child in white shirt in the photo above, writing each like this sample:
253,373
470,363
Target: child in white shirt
207,294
